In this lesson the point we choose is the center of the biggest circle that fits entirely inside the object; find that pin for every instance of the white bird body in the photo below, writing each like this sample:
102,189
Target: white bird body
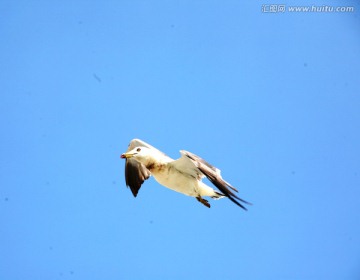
166,172
174,179
183,175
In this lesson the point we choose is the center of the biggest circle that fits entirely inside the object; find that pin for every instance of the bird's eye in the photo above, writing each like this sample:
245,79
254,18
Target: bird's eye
138,149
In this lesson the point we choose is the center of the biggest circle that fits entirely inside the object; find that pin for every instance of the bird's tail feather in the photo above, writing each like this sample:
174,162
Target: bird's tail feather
217,195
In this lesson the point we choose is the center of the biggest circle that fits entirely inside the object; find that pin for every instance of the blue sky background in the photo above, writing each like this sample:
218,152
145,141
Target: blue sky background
272,99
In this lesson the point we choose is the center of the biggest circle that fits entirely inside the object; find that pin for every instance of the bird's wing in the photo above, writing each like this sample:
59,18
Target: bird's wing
187,167
135,172
192,164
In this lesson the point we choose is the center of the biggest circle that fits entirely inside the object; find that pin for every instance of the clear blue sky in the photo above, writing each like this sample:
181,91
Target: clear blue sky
272,99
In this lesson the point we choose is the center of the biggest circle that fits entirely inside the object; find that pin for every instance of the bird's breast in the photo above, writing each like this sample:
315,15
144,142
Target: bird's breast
175,180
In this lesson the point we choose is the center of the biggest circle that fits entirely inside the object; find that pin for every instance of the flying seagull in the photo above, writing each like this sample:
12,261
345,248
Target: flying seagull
183,175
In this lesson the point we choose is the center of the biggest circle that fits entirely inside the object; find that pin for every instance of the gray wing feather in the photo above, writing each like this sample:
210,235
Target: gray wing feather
186,166
213,174
135,172
135,175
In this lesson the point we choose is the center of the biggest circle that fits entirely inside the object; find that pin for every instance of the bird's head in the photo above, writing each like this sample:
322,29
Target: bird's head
141,154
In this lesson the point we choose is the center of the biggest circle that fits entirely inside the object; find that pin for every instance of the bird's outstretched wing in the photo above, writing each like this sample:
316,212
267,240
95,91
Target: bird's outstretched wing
193,164
135,172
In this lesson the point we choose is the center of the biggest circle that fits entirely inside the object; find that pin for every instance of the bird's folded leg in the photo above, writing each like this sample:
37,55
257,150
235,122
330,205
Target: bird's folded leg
203,201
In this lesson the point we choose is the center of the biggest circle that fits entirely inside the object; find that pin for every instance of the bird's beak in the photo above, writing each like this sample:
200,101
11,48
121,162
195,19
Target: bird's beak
126,155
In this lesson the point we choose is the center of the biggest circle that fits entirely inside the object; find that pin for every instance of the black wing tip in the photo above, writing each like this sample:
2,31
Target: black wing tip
135,175
134,192
237,200
244,208
211,173
234,198
135,188
244,201
238,203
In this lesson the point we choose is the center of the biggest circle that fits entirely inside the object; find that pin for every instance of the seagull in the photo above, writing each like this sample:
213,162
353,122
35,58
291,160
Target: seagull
183,175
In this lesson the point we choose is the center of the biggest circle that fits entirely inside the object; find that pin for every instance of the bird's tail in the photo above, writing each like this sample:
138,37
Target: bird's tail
217,195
